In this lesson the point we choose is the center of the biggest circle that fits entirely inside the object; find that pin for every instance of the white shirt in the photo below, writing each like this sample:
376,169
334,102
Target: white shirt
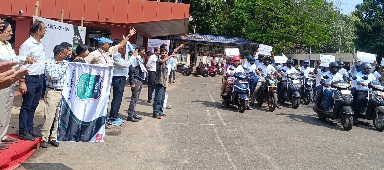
35,50
151,64
306,71
248,67
343,72
333,78
121,66
288,71
359,78
266,70
232,70
319,76
376,74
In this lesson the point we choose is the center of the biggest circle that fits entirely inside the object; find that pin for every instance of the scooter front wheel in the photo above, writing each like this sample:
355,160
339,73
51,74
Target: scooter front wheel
242,106
378,122
347,121
272,103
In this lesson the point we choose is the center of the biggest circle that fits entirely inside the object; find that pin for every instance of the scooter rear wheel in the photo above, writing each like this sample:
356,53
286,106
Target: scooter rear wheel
378,122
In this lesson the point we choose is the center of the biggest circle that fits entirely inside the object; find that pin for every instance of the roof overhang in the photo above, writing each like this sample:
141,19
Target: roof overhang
163,28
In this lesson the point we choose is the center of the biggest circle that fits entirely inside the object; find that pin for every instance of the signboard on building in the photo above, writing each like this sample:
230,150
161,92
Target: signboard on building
58,32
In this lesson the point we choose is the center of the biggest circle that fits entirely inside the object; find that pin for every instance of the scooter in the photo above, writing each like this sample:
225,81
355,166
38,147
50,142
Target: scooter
307,90
374,106
267,94
212,71
201,70
341,105
237,92
291,93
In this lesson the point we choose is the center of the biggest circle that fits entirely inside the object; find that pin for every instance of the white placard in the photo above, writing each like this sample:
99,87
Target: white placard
280,59
58,32
366,57
265,49
232,52
153,43
326,59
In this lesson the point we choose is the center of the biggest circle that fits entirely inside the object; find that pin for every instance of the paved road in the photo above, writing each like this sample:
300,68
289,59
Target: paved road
198,134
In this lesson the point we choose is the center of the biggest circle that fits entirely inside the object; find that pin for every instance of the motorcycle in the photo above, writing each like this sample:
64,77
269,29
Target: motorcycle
237,92
252,80
307,90
341,105
267,93
185,70
201,70
291,93
374,106
212,71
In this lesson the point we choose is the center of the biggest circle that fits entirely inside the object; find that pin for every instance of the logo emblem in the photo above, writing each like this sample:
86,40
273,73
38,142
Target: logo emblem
89,86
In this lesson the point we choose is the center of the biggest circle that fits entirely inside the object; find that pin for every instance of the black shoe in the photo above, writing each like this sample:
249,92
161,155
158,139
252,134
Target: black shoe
132,119
35,135
137,117
355,122
43,144
26,136
54,143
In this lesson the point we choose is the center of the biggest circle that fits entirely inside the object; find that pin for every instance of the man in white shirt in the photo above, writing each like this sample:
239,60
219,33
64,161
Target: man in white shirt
266,70
287,70
151,66
343,71
363,79
333,76
305,69
31,85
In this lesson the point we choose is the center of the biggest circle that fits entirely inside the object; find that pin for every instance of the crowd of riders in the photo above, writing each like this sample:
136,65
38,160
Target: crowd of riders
360,78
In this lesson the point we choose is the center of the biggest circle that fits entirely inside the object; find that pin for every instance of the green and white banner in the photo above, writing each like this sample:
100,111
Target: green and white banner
84,104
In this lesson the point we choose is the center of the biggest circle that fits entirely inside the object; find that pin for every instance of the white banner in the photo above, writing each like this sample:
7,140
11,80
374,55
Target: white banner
153,43
366,57
326,59
232,52
84,105
58,32
280,59
265,49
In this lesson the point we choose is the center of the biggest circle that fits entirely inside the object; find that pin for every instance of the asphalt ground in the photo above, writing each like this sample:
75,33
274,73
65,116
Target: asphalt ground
198,133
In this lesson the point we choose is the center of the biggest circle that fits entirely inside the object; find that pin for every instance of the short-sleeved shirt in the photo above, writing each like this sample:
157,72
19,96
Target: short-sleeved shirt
35,50
333,77
359,78
288,71
102,57
161,73
306,71
266,70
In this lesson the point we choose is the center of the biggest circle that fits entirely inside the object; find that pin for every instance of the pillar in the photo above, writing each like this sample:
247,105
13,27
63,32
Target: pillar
21,32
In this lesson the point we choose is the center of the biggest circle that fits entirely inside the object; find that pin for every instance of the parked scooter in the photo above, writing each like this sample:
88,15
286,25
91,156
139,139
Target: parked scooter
341,105
237,92
201,70
307,89
268,94
212,71
291,93
373,106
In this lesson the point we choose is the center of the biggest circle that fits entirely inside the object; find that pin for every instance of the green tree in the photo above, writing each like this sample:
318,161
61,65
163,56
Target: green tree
370,27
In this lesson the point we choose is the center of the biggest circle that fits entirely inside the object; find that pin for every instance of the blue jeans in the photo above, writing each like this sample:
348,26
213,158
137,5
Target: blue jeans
118,84
328,98
159,100
151,84
30,103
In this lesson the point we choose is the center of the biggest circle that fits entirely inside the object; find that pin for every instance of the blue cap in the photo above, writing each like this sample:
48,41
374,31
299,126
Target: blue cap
103,40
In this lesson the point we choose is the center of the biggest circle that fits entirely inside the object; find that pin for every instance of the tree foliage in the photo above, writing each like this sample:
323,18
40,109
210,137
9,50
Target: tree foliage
370,27
291,26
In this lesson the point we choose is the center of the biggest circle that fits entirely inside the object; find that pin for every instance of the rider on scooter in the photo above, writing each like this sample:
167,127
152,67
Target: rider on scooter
305,69
235,67
363,79
319,88
287,70
250,66
263,70
333,76
343,71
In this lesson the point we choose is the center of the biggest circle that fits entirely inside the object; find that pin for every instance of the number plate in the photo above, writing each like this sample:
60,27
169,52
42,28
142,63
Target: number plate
296,81
345,92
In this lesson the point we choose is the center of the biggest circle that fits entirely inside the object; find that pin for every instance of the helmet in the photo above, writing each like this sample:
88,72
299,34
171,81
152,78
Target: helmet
333,65
290,61
306,62
267,57
366,68
358,64
252,60
261,56
236,58
249,58
341,63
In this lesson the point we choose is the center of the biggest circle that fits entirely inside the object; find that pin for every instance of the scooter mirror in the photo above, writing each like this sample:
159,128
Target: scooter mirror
326,77
260,69
365,78
354,78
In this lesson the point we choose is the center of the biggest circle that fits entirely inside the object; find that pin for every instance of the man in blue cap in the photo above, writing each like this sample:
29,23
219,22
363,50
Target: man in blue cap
103,55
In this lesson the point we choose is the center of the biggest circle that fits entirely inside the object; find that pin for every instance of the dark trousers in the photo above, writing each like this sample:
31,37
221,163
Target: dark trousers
135,97
44,87
151,84
30,103
319,95
118,84
159,100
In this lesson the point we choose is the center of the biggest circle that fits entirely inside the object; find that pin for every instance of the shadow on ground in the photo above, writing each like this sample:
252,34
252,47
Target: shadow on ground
313,120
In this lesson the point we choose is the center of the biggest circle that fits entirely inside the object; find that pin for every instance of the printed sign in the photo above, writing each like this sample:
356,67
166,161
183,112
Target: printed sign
265,49
58,32
280,59
326,59
366,57
232,52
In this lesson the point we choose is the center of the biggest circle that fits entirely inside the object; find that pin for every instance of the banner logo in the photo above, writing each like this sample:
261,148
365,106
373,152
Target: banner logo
89,86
